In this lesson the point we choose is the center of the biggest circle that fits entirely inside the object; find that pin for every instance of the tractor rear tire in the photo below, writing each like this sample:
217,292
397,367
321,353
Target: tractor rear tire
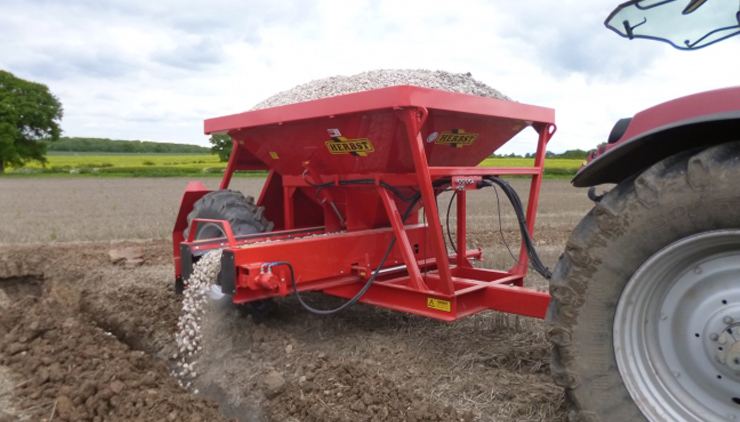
245,217
685,197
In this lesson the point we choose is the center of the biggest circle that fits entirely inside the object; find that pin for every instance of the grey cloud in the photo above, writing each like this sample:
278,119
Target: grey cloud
192,56
596,55
55,64
574,40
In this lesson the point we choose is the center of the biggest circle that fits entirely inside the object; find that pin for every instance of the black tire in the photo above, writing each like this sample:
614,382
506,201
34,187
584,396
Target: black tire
245,218
241,212
690,193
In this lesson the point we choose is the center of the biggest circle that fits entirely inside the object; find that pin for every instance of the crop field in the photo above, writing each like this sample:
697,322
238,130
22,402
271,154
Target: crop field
207,164
85,333
125,164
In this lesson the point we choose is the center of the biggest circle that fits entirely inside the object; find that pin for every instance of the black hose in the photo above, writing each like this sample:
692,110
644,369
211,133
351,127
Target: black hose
447,221
500,228
516,203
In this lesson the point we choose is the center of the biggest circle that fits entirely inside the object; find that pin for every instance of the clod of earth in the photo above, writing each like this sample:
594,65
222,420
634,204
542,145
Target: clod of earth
129,256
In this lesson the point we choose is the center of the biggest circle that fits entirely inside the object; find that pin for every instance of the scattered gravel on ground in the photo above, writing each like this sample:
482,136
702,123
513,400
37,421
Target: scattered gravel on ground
339,85
189,336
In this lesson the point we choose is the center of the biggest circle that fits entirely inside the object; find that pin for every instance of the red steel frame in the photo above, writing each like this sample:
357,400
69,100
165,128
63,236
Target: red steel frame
419,276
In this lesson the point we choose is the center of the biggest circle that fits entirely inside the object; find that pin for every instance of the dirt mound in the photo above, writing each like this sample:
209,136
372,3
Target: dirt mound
351,391
62,366
279,376
78,371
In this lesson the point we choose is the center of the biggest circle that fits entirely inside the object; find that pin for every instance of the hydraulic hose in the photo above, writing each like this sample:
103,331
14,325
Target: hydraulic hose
516,203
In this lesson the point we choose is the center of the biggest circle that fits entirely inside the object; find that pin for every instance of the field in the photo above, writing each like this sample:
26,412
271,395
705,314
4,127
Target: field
85,335
125,165
205,164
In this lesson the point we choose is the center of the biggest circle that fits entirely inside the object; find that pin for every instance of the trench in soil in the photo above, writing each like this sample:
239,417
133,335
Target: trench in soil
18,287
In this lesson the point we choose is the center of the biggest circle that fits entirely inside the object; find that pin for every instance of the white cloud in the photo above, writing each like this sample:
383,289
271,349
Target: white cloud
154,70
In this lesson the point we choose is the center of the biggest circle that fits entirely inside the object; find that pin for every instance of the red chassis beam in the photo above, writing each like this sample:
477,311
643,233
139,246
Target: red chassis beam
348,259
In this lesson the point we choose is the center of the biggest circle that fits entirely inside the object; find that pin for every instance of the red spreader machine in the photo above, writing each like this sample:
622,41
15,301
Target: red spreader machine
349,206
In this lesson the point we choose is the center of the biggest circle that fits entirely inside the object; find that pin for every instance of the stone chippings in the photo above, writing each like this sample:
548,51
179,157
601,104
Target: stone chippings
189,336
338,85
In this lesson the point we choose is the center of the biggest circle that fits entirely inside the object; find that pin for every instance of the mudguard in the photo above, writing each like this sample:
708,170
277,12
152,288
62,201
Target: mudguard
193,192
695,121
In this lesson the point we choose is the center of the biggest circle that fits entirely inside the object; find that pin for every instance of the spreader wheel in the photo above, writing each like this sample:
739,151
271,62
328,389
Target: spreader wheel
244,216
645,310
241,212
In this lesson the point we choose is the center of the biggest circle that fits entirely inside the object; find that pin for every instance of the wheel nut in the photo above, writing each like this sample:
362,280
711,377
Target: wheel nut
713,336
728,320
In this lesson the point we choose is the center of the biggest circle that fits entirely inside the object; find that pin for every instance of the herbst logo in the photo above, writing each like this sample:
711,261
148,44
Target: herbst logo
341,145
457,138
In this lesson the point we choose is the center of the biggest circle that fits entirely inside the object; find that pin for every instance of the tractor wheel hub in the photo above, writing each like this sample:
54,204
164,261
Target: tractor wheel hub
677,330
723,340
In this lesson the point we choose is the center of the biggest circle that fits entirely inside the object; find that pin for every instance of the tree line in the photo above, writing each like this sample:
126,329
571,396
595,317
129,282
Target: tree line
76,144
578,154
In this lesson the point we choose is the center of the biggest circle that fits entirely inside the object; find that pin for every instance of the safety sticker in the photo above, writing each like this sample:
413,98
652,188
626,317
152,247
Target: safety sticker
457,138
274,155
340,145
439,304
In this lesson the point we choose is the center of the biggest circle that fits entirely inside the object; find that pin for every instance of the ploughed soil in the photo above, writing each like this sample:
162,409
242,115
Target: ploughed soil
85,335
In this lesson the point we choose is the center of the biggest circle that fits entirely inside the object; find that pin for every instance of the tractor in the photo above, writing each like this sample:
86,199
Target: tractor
645,310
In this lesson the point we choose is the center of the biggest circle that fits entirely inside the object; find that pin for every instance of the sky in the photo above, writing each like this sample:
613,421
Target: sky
154,69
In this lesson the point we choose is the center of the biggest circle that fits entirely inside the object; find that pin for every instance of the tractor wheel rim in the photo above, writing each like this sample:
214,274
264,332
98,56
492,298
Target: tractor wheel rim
677,330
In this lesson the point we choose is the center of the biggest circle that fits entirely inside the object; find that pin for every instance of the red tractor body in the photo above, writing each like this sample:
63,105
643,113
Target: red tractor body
695,121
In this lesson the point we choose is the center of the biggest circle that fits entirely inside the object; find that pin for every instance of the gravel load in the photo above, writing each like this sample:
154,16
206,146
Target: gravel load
195,296
339,85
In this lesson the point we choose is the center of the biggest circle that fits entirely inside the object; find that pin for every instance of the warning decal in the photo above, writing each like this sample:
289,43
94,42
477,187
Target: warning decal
439,304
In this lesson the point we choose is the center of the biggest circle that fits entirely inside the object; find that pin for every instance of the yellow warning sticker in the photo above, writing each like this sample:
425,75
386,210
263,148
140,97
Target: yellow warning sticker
439,304
274,155
342,145
456,138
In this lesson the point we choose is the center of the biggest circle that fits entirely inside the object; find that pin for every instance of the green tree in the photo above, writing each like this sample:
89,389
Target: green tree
29,113
221,145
